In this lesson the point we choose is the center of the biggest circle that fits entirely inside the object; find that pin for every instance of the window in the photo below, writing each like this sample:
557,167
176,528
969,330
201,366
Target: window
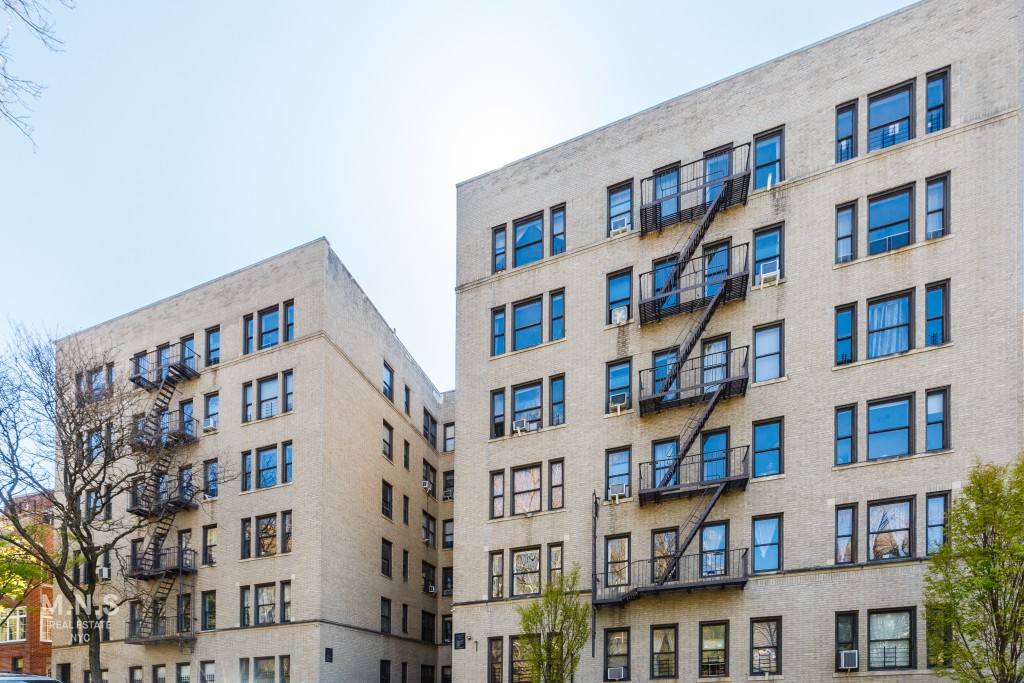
889,326
385,671
768,159
519,666
664,651
767,252
430,428
619,391
495,665
447,581
526,320
448,483
556,485
286,463
208,610
558,230
620,295
448,534
554,562
890,221
266,459
388,438
846,534
936,314
498,248
264,669
497,495
385,615
498,331
245,606
247,402
890,639
210,544
529,239
212,409
765,646
388,384
935,533
212,346
890,117
405,618
267,397
429,576
714,643
405,454
430,479
497,413
890,526
526,490
449,437
846,132
265,604
286,602
246,539
846,633
247,340
386,496
616,561
617,472
937,432
405,565
768,356
846,341
405,510
938,94
767,533
616,651
289,320
846,435
846,233
286,531
497,572
556,327
446,629
525,572
526,407
620,207
936,198
938,640
768,448
269,320
889,428
266,540
429,526
14,629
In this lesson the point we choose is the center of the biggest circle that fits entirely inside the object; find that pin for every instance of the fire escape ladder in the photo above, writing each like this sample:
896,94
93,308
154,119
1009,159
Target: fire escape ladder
690,432
697,236
158,408
702,506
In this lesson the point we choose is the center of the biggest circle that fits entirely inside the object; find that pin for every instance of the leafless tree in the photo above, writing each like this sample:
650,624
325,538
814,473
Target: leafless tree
85,438
16,93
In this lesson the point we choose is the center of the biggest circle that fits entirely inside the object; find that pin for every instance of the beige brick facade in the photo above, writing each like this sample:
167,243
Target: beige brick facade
336,355
980,257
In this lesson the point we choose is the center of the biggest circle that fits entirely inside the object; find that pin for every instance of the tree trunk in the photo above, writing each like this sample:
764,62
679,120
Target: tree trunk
94,649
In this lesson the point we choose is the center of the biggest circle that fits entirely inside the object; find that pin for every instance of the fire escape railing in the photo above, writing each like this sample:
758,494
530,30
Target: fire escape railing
694,381
714,568
675,287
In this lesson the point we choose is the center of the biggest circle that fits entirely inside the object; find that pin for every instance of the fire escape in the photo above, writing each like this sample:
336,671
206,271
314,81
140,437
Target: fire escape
692,286
168,568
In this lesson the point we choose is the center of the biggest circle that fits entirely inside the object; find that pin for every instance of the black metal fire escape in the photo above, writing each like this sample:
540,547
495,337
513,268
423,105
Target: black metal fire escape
695,287
159,497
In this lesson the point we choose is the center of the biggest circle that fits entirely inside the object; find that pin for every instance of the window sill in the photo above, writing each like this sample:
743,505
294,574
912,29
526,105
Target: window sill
528,348
887,672
265,488
892,458
615,326
911,352
622,499
525,515
754,677
767,382
899,250
769,477
549,428
619,414
758,288
267,419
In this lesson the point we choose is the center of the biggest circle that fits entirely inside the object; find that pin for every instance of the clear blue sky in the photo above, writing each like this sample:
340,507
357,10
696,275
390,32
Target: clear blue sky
178,141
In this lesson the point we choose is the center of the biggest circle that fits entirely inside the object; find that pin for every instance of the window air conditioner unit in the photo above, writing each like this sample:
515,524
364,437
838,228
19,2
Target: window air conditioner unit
769,277
103,574
427,486
616,490
620,315
621,225
616,673
210,424
618,401
431,590
448,494
849,659
533,425
519,426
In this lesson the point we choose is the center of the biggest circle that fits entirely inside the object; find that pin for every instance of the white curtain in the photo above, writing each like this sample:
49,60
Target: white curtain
765,535
886,316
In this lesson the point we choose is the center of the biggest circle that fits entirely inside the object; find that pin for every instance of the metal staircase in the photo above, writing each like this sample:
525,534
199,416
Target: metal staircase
159,435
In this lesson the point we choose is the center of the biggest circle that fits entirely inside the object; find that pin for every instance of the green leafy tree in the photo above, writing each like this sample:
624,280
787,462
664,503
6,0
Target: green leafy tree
974,589
559,624
20,574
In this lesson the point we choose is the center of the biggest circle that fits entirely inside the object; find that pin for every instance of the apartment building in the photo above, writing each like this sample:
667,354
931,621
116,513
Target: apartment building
307,535
734,355
26,626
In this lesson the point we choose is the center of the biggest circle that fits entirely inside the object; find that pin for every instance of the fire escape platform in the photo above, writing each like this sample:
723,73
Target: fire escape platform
725,569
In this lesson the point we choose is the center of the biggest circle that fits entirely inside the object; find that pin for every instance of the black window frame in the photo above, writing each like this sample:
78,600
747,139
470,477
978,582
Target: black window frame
496,561
212,351
387,493
539,302
781,353
448,443
755,671
852,408
288,322
513,573
700,650
850,107
556,409
851,338
910,324
539,466
910,87
628,450
942,178
852,237
499,320
557,234
932,76
943,392
386,557
526,220
385,615
779,257
780,132
854,616
929,525
493,496
615,189
655,672
911,432
557,295
629,653
851,508
275,331
618,303
499,255
388,382
628,389
910,191
388,440
498,422
553,487
539,408
781,421
943,289
912,644
911,529
779,544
